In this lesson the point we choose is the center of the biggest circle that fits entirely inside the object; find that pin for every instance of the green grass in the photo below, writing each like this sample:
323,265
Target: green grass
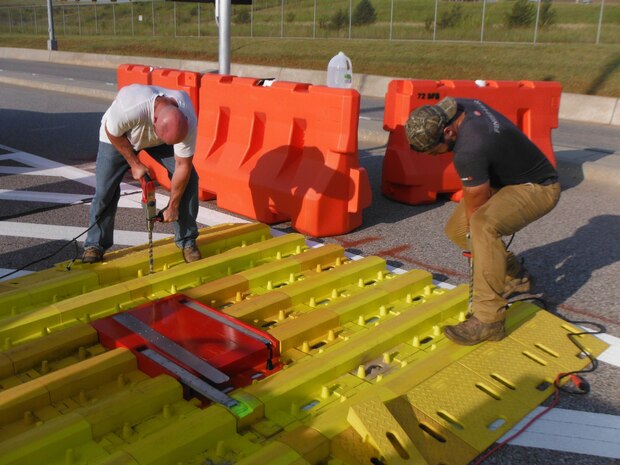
565,52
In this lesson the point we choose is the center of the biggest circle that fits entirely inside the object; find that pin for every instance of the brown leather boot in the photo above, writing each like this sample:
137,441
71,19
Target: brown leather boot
92,255
191,254
473,331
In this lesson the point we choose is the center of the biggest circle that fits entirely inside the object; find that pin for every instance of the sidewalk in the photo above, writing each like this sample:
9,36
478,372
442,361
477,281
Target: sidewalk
601,164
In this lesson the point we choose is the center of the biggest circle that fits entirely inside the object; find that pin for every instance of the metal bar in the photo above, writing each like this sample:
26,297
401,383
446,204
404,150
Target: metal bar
227,322
190,380
170,347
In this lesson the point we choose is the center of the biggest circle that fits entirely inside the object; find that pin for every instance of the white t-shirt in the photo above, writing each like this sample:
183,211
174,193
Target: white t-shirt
131,114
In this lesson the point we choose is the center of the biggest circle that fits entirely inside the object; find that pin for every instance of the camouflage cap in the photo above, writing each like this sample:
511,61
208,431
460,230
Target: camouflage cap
425,124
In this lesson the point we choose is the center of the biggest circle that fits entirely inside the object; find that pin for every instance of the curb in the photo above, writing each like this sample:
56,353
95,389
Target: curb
576,107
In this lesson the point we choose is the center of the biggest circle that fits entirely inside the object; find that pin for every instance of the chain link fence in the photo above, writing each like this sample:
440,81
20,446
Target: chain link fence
518,21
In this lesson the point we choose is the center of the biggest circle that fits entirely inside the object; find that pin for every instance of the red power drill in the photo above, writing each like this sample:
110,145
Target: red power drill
150,210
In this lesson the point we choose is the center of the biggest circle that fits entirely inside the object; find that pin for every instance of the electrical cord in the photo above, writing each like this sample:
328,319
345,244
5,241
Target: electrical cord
72,241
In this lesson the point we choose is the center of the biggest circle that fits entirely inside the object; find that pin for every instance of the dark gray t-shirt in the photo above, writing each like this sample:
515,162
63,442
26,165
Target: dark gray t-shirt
489,147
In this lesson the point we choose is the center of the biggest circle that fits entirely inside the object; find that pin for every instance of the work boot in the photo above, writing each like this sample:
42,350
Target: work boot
520,284
473,331
191,254
92,255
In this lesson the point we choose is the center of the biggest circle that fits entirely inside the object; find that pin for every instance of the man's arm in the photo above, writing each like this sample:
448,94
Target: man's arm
475,197
122,144
180,178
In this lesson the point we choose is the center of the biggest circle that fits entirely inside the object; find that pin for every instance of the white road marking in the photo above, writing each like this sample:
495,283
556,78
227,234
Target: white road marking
66,233
571,431
45,197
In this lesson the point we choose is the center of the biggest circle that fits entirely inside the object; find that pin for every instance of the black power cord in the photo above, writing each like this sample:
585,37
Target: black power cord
72,241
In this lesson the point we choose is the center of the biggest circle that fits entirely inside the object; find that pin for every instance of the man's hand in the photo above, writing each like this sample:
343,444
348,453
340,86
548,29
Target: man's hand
170,214
138,170
122,144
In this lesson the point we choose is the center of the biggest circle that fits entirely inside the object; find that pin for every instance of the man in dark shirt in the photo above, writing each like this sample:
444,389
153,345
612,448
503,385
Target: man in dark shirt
508,183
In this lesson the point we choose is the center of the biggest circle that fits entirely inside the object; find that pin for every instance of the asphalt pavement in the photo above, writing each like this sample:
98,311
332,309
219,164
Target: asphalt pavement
49,121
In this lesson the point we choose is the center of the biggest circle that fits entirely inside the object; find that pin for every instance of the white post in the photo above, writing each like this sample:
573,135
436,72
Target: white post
484,10
350,10
282,20
537,20
600,22
224,13
51,42
435,21
314,22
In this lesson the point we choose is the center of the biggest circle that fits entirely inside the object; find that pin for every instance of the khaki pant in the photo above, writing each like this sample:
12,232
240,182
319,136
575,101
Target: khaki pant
509,210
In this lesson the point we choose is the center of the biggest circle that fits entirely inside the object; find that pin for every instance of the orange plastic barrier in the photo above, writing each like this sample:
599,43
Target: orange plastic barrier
133,74
416,178
187,81
288,151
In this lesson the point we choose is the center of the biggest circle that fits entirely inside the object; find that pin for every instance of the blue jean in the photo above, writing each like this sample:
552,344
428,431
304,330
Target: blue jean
111,167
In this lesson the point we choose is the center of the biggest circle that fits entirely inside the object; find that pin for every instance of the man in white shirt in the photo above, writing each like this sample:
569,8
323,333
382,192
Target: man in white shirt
162,122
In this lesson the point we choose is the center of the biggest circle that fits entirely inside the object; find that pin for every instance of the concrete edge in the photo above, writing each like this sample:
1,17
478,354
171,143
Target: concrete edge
583,108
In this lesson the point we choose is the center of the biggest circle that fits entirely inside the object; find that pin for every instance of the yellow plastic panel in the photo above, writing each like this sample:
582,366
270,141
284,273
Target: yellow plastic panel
475,409
437,444
32,325
507,363
139,401
546,336
15,402
308,443
89,373
54,346
184,438
53,442
274,453
374,422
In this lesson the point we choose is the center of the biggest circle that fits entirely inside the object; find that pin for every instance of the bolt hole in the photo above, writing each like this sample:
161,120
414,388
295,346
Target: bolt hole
431,432
397,446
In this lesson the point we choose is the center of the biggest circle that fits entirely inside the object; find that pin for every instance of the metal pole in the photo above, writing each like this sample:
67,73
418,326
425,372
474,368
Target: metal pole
537,20
153,15
131,18
350,9
64,22
174,16
282,20
600,22
79,21
199,20
11,21
224,36
51,41
484,11
34,11
252,19
435,21
314,22
391,17
113,19
96,21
